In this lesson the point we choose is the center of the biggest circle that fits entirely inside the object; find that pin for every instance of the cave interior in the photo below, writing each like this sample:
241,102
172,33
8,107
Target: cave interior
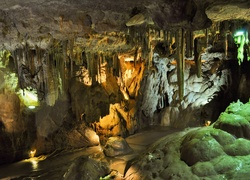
76,75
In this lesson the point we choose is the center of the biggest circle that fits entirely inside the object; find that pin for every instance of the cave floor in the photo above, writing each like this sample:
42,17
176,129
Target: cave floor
139,142
55,165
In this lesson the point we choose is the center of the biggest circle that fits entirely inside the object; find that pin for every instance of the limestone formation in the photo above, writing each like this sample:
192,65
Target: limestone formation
116,146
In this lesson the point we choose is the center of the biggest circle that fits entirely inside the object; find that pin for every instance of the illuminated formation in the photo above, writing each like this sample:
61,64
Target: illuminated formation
242,41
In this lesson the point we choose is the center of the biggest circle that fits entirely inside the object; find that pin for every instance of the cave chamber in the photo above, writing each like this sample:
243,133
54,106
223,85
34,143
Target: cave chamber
158,90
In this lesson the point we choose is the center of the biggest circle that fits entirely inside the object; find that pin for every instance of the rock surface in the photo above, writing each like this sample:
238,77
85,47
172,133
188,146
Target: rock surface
37,22
159,91
86,168
197,153
10,113
235,120
116,146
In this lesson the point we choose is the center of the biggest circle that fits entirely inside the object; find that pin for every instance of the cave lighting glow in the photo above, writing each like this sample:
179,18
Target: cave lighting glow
29,98
32,153
34,160
241,39
95,138
32,107
34,164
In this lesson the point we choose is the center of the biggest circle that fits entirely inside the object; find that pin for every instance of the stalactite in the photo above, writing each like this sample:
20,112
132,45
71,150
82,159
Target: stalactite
136,55
145,47
225,35
207,37
189,44
88,57
172,42
99,76
180,61
162,35
197,58
63,68
71,55
19,59
218,25
96,62
93,61
45,71
150,47
168,44
14,54
40,86
115,65
32,66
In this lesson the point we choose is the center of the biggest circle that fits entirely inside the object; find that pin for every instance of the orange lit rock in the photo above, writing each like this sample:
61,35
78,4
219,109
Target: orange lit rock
9,112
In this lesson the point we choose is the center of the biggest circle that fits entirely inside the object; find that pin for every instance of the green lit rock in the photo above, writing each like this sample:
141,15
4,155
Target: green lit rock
235,120
201,146
204,169
240,147
241,40
224,164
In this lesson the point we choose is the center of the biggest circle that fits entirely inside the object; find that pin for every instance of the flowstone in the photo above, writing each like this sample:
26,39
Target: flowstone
200,153
235,120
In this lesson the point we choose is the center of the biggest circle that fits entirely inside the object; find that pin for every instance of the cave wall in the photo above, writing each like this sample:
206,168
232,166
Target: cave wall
159,102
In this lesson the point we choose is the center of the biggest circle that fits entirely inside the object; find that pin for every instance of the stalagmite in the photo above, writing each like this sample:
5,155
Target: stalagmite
180,61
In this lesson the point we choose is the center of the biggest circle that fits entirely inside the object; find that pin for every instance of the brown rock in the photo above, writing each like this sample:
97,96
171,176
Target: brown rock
9,112
116,146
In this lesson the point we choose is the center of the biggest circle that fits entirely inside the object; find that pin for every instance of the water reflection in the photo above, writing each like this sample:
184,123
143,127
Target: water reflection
35,161
48,167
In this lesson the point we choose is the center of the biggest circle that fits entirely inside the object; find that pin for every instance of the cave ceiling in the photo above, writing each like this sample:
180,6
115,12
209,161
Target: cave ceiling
39,21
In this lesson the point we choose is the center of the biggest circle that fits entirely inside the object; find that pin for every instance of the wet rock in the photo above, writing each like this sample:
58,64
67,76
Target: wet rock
86,168
116,146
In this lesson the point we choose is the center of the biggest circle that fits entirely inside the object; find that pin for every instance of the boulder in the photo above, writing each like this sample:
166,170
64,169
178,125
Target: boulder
116,146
